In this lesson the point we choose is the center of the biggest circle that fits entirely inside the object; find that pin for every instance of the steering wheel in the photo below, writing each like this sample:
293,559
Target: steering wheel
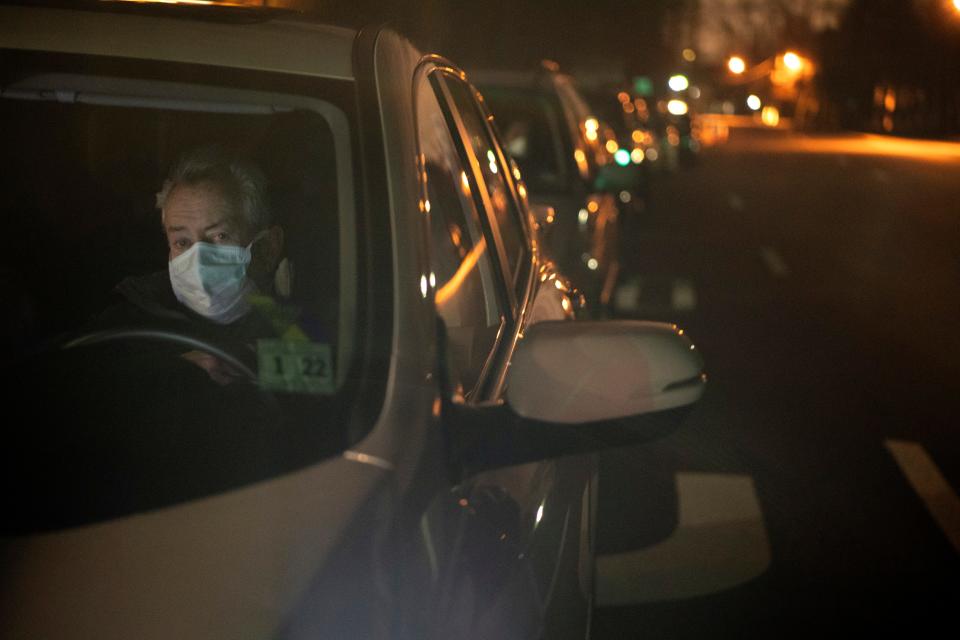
159,335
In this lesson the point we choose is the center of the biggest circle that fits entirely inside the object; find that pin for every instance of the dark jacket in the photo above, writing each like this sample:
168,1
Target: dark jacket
149,301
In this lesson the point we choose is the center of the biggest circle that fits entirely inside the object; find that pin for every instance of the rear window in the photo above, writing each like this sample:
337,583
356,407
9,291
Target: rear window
156,356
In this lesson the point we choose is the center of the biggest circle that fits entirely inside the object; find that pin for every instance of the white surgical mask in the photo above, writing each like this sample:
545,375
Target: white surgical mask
211,280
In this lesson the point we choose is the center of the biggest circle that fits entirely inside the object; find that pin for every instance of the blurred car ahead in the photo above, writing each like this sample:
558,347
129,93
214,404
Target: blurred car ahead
627,122
548,128
672,118
406,454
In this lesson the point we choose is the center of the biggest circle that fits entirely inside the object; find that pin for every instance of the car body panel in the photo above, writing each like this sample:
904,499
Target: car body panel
319,551
232,565
282,46
408,411
506,534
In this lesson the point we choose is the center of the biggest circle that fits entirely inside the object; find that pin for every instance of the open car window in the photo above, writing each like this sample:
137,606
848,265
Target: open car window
95,348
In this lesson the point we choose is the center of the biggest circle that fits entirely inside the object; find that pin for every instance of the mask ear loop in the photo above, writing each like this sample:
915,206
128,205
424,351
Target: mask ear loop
257,238
283,275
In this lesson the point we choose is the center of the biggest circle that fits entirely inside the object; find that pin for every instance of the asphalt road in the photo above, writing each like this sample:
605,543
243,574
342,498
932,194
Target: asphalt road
815,486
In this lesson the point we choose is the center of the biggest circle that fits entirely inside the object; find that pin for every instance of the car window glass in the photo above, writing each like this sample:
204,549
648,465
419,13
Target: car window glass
589,150
529,126
493,172
465,291
99,344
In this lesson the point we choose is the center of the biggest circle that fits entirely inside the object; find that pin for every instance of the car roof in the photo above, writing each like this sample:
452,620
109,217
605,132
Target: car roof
281,44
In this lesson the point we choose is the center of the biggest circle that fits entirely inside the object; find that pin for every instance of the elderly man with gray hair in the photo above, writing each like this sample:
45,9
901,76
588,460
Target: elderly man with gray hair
223,252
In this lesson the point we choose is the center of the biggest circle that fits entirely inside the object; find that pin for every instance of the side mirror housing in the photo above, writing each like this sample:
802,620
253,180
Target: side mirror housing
582,372
578,387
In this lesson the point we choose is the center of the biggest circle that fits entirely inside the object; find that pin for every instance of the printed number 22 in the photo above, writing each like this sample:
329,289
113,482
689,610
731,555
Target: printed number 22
313,366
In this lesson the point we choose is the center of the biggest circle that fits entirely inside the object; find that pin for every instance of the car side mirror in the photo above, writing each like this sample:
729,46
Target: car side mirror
577,387
582,372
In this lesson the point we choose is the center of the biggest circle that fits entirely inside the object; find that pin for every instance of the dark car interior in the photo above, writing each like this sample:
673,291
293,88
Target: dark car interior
81,202
130,421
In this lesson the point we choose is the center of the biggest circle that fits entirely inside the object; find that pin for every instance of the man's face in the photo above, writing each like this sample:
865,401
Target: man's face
200,213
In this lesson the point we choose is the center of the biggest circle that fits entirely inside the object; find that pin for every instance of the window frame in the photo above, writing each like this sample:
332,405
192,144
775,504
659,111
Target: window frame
357,403
513,295
516,295
424,79
517,284
478,186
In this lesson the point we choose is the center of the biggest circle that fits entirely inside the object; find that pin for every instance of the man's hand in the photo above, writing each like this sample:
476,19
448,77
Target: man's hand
218,370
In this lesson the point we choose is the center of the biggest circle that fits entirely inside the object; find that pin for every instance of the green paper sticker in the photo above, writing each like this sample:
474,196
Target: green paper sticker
295,366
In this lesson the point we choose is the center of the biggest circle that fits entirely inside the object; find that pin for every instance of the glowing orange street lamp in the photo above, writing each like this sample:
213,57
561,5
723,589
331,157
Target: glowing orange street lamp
736,65
956,4
792,61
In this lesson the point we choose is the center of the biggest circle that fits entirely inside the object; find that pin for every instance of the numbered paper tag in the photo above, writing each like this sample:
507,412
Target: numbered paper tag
295,366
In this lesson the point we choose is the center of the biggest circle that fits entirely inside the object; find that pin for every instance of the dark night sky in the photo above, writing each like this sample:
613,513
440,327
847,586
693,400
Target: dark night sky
520,32
913,44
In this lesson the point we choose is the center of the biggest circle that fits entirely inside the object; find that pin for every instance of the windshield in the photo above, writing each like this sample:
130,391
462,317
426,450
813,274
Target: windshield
181,284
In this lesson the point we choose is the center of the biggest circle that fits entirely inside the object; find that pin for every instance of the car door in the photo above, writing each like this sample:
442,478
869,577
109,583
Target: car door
558,523
503,542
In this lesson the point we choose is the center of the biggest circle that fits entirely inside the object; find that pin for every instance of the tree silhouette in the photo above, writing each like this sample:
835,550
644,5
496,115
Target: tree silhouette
893,67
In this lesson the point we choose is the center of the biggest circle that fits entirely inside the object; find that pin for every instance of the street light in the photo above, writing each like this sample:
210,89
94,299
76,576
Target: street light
678,82
677,107
737,65
793,62
956,4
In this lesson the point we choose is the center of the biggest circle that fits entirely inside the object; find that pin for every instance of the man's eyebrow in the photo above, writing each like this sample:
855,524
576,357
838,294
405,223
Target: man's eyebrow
218,223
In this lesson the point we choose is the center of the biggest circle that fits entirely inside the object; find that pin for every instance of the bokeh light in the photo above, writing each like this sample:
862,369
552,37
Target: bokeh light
677,107
678,82
792,61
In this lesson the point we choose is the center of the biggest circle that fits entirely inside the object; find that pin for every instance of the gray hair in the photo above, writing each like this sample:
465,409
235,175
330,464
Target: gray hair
241,182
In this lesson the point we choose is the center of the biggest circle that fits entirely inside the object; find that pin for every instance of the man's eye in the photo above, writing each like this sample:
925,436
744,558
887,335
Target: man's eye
221,236
181,243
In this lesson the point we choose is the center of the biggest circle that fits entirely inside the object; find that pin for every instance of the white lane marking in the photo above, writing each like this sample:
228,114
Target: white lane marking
775,262
735,201
683,297
720,542
927,480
